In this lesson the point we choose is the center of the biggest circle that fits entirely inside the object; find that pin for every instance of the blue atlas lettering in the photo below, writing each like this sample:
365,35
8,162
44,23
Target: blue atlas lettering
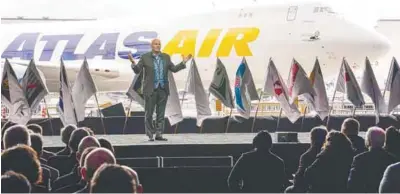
25,41
135,41
109,40
69,50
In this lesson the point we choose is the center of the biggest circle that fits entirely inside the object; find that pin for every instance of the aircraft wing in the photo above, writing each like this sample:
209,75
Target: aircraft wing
71,68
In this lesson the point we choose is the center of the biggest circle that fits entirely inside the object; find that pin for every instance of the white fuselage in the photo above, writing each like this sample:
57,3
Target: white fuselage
282,32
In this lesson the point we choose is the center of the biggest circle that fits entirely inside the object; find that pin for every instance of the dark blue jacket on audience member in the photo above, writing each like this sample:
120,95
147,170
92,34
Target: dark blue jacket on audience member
260,171
306,159
367,170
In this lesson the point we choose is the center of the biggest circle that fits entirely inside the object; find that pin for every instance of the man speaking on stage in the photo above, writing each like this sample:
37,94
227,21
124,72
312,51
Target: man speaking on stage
155,66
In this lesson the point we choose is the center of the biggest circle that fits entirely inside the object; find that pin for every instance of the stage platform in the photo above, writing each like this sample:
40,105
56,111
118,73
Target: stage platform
179,139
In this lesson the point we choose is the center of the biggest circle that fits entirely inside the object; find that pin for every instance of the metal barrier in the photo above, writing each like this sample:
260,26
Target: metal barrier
197,161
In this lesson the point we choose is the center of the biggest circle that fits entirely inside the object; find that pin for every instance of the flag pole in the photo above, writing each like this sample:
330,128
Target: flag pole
279,119
48,116
229,118
255,115
126,116
302,120
387,79
354,111
101,116
330,109
183,98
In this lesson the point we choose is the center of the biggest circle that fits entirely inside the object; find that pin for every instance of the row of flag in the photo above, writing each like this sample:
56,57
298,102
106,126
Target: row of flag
23,96
310,87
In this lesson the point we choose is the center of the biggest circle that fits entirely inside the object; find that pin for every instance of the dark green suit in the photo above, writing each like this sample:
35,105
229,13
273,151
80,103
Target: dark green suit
155,98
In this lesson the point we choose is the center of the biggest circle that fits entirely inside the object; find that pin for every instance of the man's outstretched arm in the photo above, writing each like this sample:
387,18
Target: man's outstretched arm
180,66
137,68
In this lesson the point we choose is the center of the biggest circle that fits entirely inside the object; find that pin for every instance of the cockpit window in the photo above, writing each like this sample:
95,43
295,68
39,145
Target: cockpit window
323,10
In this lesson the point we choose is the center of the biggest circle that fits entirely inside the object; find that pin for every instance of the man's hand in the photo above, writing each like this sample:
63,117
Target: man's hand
187,58
130,57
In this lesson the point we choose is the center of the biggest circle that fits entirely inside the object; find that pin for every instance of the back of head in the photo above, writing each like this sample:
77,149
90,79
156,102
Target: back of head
84,155
88,141
139,187
375,137
104,143
17,134
392,138
6,125
89,130
22,159
95,159
337,142
37,143
66,133
76,137
350,127
35,128
12,182
112,178
318,136
262,141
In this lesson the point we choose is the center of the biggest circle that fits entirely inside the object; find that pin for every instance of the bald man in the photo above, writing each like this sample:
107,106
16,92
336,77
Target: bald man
155,88
93,161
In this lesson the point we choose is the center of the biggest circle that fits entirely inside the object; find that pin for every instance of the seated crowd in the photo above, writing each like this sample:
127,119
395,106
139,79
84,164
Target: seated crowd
85,165
335,162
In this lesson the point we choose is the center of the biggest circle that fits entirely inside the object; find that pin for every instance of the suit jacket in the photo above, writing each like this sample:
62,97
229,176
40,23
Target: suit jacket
260,171
329,172
64,152
68,179
46,154
75,187
64,164
146,64
358,143
306,159
390,180
367,170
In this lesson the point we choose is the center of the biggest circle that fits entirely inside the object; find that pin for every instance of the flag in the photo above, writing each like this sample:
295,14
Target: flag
195,87
65,105
393,85
369,86
33,85
245,89
83,88
14,97
275,86
173,110
135,89
347,83
298,82
220,87
319,103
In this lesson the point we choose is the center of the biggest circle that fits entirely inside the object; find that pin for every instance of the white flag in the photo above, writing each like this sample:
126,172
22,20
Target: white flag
220,87
347,83
321,104
369,86
14,96
195,87
65,104
393,85
34,86
298,82
173,110
83,88
275,86
245,89
135,89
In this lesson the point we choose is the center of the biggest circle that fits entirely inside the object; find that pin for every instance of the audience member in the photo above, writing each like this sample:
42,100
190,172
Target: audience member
351,127
74,177
139,187
317,135
104,143
22,159
39,130
94,160
368,167
64,164
392,144
73,181
89,130
49,173
390,179
65,136
12,182
256,168
113,178
330,170
17,134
